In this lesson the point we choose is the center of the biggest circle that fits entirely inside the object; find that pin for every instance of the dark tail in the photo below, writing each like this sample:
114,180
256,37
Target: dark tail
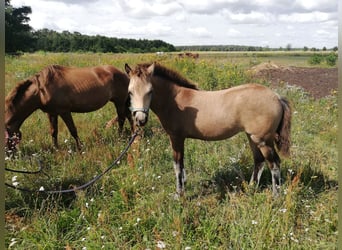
283,142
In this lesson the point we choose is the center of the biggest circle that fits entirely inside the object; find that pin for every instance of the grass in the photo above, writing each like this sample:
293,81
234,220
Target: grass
133,206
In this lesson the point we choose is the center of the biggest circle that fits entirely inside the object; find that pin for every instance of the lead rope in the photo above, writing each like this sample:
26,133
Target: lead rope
92,181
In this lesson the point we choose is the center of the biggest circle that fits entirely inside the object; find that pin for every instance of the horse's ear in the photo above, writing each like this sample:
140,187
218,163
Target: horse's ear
127,68
150,68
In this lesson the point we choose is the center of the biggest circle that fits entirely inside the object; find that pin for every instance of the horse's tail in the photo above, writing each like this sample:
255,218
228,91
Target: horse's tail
283,140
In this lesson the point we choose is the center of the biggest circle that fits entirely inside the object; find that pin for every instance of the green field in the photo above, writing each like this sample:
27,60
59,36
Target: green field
133,206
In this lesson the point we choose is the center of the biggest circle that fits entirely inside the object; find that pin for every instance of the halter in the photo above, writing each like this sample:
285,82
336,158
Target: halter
144,110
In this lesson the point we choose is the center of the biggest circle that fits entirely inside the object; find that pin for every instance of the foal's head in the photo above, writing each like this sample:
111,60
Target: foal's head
140,91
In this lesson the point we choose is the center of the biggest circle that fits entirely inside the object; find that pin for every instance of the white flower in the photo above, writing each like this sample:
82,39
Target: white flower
138,219
13,242
283,210
41,188
87,204
14,178
161,244
15,183
187,248
254,222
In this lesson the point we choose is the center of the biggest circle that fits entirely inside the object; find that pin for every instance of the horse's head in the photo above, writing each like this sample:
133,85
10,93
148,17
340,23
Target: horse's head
140,91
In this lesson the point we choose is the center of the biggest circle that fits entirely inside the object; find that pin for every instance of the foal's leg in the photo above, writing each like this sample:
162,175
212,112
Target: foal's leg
273,160
67,118
258,162
53,119
178,164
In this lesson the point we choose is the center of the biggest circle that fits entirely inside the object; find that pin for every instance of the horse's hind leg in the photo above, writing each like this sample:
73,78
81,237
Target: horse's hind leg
258,162
53,119
67,118
273,160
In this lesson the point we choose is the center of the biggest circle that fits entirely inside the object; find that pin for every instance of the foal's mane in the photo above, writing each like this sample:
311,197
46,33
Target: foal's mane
167,73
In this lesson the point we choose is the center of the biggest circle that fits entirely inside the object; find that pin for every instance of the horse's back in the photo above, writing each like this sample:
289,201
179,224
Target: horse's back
257,108
78,89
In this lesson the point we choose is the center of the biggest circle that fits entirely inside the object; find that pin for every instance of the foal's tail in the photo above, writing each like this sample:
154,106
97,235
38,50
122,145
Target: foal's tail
283,140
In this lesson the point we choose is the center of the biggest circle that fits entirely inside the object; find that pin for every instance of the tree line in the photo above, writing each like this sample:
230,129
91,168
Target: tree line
19,36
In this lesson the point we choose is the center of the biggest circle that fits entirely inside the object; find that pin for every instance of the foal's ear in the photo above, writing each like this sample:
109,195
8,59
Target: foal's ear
127,68
150,69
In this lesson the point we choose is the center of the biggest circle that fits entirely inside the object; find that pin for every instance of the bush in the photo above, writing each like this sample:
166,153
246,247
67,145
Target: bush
315,59
331,59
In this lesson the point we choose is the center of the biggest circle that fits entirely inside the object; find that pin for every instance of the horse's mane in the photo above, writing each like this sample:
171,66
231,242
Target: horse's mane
18,92
167,73
48,73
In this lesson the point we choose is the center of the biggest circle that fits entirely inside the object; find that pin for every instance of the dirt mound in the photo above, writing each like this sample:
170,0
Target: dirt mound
319,82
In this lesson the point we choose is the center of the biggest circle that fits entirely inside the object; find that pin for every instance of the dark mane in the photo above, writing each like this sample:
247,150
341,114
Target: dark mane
167,73
18,92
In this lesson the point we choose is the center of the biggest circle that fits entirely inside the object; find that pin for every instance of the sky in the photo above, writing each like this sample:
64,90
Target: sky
267,23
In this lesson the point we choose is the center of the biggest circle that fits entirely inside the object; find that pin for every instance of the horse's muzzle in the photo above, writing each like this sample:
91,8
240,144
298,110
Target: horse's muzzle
140,118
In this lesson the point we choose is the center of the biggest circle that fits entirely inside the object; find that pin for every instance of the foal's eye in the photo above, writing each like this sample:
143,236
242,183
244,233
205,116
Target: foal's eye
129,93
150,92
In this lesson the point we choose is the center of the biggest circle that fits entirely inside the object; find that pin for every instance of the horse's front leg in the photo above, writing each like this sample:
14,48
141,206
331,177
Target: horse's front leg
67,118
178,164
53,119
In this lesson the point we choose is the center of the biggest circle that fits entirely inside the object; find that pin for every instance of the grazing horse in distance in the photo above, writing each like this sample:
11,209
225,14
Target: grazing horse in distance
186,112
58,91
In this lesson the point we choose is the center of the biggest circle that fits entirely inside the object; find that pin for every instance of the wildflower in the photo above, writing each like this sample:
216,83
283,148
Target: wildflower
138,219
66,140
283,210
254,222
15,183
161,244
92,199
87,204
13,242
187,248
41,188
83,239
14,178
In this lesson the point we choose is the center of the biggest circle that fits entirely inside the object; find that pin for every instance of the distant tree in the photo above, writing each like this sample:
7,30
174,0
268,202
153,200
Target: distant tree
324,48
305,48
335,48
18,35
288,47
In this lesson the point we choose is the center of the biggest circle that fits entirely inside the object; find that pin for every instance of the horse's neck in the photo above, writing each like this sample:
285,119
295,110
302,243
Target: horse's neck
164,97
15,116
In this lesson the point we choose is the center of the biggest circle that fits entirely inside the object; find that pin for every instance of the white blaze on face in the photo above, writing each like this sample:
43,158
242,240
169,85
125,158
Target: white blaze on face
140,94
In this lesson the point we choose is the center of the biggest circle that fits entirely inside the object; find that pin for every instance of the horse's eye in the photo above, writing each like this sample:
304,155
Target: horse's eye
150,92
129,93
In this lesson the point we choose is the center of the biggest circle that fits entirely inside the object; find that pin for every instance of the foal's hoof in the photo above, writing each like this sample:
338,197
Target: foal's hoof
177,196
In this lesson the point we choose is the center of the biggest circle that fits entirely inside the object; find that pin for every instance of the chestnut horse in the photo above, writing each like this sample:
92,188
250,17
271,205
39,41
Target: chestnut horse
186,112
59,90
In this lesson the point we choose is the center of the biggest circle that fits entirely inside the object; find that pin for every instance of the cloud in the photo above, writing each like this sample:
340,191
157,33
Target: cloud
312,17
250,18
146,9
199,32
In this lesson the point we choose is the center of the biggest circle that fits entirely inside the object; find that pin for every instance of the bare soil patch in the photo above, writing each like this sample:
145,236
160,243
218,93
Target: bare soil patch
318,82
